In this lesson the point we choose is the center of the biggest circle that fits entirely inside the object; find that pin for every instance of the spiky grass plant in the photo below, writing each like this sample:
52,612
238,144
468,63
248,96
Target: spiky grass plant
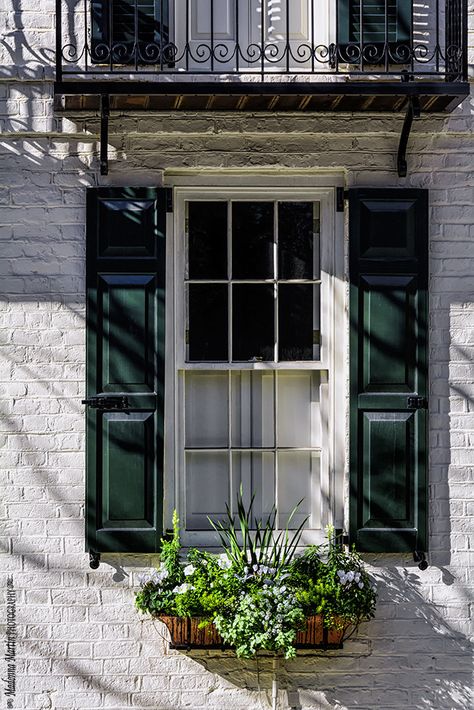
263,545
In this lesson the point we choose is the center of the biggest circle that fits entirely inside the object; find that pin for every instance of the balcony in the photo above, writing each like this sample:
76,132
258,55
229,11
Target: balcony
250,55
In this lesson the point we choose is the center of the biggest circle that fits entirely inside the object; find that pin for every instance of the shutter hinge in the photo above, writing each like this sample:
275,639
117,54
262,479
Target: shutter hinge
169,199
341,539
417,403
107,402
341,195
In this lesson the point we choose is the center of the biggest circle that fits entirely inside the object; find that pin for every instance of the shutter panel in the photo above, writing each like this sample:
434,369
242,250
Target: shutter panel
133,29
125,357
388,369
365,26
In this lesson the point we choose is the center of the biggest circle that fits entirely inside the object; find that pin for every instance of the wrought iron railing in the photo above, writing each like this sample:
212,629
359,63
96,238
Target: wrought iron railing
163,40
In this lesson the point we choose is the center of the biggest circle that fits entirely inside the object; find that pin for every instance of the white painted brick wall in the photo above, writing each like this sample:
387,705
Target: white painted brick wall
81,644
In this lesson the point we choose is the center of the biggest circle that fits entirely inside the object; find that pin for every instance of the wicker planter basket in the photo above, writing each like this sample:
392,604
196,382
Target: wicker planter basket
185,633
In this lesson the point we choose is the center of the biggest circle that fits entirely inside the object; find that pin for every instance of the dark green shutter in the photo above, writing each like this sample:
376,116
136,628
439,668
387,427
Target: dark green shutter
134,29
371,26
125,357
388,368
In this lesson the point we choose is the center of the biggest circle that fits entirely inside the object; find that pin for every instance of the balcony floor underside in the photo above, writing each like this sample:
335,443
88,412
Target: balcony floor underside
354,96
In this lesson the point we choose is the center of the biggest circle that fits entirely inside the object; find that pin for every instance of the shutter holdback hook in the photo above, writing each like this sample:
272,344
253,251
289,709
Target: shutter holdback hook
421,558
94,560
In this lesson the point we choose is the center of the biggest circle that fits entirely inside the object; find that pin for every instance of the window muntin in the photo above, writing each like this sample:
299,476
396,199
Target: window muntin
253,288
258,429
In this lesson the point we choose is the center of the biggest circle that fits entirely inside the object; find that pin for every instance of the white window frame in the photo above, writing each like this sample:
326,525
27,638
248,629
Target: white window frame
333,334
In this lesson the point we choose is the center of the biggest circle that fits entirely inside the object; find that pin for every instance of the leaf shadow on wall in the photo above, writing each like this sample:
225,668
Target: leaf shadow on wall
409,656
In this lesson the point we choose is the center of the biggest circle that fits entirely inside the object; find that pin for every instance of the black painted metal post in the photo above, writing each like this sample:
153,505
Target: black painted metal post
59,23
104,134
463,43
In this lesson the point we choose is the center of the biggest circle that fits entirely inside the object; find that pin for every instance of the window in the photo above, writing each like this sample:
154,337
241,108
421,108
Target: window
254,389
244,408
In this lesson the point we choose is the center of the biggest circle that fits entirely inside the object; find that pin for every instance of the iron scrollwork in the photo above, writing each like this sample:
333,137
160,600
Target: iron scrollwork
140,54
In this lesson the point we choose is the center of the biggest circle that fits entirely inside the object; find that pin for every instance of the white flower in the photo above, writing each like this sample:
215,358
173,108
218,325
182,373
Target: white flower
159,576
224,562
154,576
143,578
343,576
350,576
361,586
182,588
357,577
189,570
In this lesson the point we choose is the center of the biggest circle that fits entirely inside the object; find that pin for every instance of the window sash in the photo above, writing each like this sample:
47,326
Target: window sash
264,284
333,455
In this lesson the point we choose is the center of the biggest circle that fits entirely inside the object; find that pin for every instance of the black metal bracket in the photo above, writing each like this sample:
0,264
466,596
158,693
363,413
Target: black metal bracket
104,133
341,195
421,558
413,111
417,403
169,199
94,560
107,402
341,539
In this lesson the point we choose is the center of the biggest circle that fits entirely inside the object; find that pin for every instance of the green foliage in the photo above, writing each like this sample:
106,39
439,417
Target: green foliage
157,594
257,592
171,551
333,582
212,586
266,616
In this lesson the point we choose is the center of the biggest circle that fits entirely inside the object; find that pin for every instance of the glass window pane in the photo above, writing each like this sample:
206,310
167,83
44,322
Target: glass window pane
252,240
207,247
299,413
298,317
253,328
206,409
252,409
297,252
207,318
298,475
255,471
207,488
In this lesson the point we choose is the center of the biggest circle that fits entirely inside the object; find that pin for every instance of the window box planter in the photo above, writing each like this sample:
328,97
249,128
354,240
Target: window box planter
186,634
257,593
